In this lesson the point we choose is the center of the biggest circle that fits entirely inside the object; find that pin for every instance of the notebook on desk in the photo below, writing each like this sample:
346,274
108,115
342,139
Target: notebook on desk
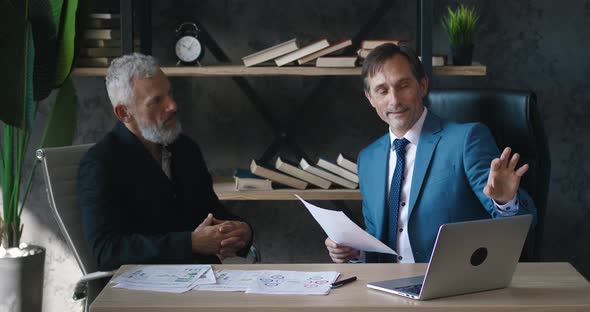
467,257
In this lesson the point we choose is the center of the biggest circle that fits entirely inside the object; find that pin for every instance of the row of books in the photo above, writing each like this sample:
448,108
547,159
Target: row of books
324,174
320,53
101,40
368,46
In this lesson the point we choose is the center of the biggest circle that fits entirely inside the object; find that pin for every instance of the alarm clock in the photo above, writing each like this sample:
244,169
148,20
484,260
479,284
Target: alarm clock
188,47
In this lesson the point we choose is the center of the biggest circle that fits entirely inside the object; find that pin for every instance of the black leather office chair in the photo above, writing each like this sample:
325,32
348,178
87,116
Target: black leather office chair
514,121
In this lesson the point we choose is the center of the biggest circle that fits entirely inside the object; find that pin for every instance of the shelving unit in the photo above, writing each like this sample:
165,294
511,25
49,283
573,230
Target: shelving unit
225,189
237,70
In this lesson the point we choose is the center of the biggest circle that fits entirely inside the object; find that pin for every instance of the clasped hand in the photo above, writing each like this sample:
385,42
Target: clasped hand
220,237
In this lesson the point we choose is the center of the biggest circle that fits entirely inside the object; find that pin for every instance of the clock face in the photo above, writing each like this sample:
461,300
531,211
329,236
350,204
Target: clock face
188,49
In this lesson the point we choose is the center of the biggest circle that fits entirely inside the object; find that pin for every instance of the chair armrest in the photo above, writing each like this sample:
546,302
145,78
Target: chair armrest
81,289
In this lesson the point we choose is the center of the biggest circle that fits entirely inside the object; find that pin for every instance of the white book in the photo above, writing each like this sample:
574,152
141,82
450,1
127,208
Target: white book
102,34
346,163
333,48
363,53
437,60
106,43
94,61
326,175
270,53
105,15
334,168
100,52
372,44
297,54
336,61
245,180
276,176
103,23
288,168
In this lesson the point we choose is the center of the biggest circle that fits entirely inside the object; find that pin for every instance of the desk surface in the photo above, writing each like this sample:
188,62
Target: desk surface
535,287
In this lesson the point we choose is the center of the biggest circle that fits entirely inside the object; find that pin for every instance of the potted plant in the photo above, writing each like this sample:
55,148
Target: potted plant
38,40
460,25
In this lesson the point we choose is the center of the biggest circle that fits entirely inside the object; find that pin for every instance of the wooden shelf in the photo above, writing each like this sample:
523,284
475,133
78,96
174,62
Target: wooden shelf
238,70
449,70
226,190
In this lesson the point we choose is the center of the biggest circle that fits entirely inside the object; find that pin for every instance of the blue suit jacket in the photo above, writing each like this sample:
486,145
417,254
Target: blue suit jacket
450,172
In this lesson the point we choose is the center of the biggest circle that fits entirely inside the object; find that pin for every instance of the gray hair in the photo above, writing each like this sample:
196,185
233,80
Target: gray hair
122,71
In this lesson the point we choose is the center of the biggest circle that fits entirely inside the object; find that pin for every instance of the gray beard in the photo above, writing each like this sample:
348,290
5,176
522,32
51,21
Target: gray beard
157,134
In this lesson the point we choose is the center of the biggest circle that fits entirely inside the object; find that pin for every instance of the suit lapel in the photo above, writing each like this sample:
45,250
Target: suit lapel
429,138
379,160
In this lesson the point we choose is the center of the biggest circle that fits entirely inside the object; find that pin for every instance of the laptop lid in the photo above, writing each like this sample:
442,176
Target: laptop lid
469,257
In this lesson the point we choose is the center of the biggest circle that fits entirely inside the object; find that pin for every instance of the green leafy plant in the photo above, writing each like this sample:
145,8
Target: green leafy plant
460,24
38,40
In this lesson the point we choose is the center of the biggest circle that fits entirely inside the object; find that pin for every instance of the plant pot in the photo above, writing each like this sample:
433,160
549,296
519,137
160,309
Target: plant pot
21,285
462,54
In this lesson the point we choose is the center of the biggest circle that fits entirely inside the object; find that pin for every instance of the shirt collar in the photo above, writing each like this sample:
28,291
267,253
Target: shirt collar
413,135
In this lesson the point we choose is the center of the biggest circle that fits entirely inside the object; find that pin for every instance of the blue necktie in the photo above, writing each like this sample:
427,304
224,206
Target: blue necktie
394,193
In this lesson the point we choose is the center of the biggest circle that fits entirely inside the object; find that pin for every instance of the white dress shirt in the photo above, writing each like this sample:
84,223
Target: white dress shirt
404,248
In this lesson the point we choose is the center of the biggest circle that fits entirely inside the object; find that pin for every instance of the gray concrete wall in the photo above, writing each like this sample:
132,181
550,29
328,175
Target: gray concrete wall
533,45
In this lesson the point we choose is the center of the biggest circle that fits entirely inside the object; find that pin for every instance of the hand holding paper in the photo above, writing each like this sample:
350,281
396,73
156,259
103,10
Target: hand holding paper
345,232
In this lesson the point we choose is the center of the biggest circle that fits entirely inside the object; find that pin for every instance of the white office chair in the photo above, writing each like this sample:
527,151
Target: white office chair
60,171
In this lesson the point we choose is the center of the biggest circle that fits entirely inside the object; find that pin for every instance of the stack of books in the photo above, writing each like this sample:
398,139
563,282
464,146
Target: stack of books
368,45
101,40
245,180
319,53
323,174
437,60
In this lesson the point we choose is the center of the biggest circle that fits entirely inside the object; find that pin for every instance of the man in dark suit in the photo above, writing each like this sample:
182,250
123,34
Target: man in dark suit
145,192
426,171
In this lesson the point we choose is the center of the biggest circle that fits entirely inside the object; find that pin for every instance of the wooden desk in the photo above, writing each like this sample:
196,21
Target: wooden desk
535,287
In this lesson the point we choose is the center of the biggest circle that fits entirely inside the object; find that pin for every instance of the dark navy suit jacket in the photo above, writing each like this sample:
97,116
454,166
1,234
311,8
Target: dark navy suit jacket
132,213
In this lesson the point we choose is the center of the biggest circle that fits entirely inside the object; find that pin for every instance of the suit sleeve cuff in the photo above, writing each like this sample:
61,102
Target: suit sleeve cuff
361,259
508,209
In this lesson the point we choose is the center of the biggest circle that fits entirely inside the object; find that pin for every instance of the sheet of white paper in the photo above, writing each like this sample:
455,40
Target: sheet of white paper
207,278
231,280
345,232
293,283
169,278
152,288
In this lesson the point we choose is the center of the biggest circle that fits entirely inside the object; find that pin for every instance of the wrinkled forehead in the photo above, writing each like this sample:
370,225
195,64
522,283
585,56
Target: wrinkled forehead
150,86
391,71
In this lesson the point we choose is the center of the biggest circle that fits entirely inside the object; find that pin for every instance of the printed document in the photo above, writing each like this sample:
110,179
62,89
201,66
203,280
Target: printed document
292,283
343,231
231,280
165,278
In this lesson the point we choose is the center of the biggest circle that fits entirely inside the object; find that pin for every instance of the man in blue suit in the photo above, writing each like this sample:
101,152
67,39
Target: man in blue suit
426,171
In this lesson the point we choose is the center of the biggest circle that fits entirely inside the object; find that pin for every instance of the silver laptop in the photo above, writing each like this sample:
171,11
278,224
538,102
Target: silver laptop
467,257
